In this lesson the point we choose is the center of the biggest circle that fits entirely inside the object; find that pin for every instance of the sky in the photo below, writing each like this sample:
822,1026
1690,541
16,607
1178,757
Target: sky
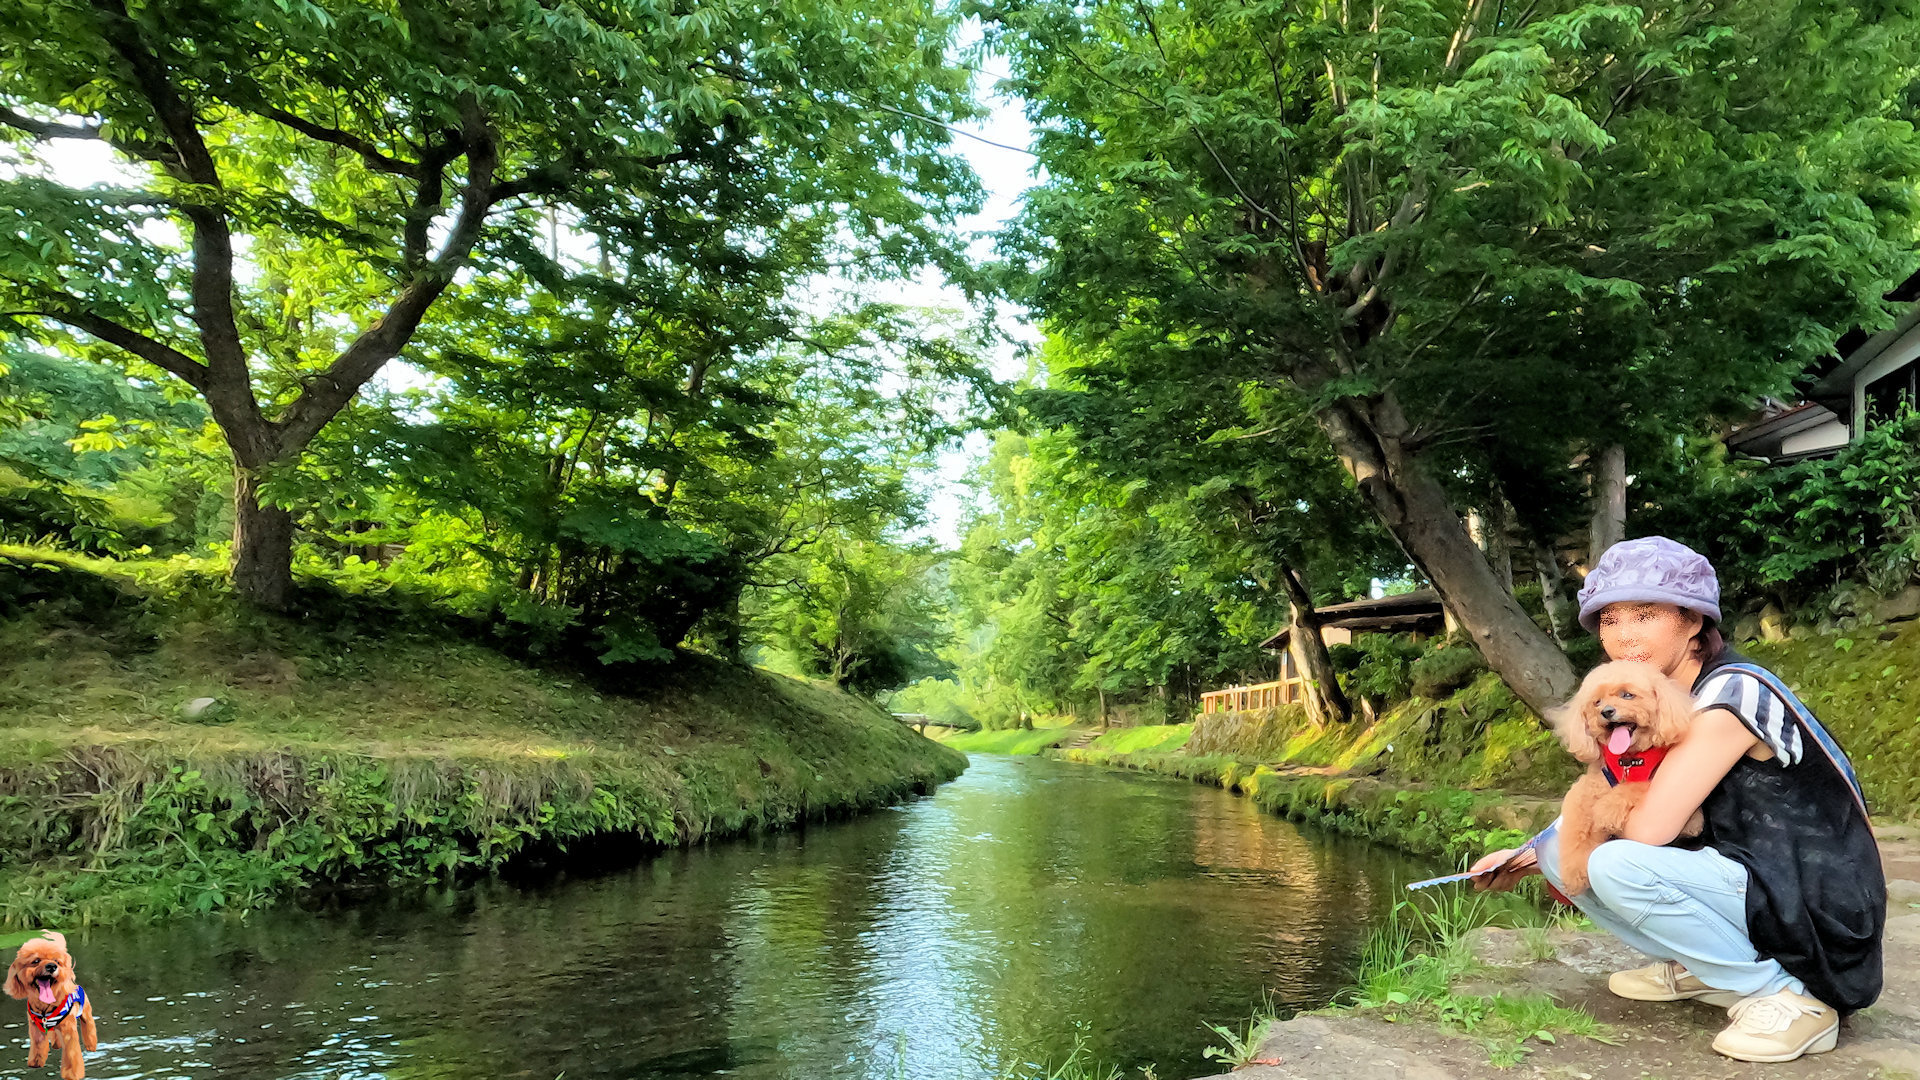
1006,175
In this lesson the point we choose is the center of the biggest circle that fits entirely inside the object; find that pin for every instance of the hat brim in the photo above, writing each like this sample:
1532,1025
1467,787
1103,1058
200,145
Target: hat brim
1590,610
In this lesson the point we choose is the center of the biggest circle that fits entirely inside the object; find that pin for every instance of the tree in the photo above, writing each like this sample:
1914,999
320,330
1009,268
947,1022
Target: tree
1475,239
1236,470
298,184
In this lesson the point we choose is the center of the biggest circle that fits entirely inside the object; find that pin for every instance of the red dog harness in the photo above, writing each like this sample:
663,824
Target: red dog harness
1631,767
74,1001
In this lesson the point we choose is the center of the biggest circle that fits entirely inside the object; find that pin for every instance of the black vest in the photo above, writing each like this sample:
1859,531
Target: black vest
1816,893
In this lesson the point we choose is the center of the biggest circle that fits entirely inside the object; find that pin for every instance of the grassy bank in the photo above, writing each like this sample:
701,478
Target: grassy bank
1441,778
1008,740
1860,684
1425,819
1476,770
347,750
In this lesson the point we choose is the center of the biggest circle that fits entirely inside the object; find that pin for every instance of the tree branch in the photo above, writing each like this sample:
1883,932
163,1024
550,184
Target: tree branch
158,353
373,156
47,129
326,394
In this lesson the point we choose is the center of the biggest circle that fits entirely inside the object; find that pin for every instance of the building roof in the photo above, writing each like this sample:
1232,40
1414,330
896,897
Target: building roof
1404,611
1777,424
1834,374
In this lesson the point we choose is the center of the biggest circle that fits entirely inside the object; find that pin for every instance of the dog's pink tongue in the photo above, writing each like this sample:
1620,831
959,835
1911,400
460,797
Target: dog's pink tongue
46,991
1619,739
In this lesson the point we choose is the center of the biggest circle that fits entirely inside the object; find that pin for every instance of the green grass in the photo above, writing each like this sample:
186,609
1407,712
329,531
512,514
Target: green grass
347,749
1410,964
1007,741
1155,739
1860,685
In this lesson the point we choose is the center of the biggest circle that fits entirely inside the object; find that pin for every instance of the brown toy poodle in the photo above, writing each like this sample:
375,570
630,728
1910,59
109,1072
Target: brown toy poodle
1624,719
58,1012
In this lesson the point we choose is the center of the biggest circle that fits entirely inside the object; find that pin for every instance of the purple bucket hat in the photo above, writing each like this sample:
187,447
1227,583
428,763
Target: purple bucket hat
1652,569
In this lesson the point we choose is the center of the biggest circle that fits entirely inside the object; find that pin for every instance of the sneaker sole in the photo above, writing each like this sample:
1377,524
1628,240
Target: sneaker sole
1819,1044
1725,999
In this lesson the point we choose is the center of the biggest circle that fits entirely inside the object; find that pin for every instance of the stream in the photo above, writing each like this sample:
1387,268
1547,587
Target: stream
1027,906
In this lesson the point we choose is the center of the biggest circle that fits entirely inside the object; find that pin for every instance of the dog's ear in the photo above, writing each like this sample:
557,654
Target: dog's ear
17,979
1570,724
1673,710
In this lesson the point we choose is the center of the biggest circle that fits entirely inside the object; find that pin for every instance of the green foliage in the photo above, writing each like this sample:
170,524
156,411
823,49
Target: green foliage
866,616
1462,245
96,462
299,192
941,699
1380,666
1803,528
1495,232
1243,1045
1445,670
1109,561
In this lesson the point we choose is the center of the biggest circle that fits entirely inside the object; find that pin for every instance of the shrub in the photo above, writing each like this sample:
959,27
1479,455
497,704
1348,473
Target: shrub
1443,671
1794,532
1383,671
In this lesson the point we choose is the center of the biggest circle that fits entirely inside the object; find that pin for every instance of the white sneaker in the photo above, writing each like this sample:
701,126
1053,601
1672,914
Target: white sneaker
1779,1027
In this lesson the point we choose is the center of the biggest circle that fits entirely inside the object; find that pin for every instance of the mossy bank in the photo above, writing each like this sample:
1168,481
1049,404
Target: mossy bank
162,751
1477,770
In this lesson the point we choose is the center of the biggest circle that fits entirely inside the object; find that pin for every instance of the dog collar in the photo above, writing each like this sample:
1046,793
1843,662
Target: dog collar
1632,766
74,1001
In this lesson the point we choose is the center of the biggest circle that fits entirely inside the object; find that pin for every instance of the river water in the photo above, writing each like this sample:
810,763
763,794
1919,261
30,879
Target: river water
958,937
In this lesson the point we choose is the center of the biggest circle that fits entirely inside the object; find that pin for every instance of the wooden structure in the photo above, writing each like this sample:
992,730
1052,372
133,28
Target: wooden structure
1418,613
921,721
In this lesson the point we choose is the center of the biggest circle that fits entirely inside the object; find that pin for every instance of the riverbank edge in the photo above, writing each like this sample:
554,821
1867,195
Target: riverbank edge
132,827
165,750
1436,821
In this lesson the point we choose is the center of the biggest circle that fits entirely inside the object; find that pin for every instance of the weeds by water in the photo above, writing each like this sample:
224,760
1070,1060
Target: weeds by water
1408,967
1243,1045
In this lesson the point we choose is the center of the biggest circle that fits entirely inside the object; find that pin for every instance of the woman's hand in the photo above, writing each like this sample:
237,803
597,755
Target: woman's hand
1524,866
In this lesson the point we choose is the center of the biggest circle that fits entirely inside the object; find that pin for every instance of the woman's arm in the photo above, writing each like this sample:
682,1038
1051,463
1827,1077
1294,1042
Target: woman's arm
1716,742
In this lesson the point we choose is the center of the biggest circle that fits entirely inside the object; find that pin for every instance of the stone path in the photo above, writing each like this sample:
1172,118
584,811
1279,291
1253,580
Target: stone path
1658,1041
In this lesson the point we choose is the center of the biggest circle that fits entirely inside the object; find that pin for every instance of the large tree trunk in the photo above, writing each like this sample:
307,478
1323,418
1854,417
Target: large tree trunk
1326,702
1370,435
262,563
1609,502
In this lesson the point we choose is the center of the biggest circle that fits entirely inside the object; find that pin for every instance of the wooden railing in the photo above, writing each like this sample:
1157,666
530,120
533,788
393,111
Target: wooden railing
1264,695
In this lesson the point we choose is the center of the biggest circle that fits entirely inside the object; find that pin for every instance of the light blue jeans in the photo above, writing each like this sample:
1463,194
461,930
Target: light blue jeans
1674,904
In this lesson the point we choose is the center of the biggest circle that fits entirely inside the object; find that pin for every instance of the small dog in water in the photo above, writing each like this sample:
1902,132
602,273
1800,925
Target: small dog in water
58,1012
1625,718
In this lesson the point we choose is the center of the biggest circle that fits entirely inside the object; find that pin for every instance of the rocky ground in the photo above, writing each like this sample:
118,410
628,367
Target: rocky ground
1656,1041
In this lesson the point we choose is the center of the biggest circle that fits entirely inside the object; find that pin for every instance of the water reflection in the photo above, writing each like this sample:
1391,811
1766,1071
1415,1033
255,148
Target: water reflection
948,939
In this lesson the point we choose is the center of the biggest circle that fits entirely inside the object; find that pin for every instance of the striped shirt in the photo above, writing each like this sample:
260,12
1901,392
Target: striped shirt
1758,707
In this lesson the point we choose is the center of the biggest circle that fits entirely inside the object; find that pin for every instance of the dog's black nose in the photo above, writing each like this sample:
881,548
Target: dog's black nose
1609,713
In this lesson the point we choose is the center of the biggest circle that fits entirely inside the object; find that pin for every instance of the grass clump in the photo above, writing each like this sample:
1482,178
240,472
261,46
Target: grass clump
1410,964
